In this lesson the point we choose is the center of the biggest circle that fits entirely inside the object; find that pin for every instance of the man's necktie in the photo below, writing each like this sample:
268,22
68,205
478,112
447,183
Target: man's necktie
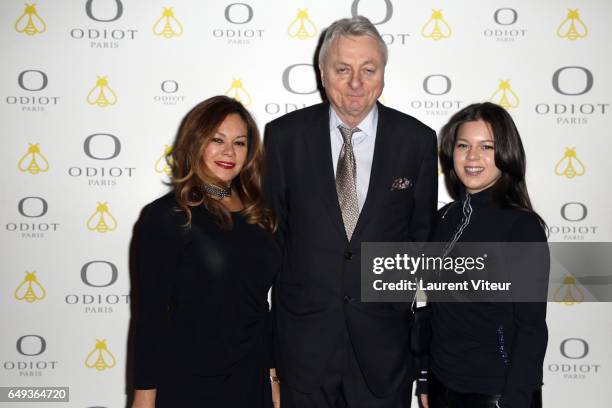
346,184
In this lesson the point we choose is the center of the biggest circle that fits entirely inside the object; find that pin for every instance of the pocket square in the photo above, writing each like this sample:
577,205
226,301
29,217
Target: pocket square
401,183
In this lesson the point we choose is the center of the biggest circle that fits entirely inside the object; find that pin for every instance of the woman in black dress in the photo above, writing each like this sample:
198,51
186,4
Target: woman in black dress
486,354
205,259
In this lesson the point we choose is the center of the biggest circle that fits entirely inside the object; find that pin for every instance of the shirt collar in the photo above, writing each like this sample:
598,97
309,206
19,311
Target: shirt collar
367,125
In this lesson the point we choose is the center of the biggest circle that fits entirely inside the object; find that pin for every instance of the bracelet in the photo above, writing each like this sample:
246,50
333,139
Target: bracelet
274,379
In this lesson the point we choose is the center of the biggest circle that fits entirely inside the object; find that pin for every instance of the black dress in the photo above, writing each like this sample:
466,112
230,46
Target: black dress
492,349
202,329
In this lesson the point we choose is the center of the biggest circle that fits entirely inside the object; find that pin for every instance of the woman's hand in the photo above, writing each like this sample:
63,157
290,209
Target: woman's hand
275,383
144,398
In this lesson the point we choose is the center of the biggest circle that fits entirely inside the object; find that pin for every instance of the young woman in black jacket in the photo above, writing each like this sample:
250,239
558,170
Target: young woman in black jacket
486,354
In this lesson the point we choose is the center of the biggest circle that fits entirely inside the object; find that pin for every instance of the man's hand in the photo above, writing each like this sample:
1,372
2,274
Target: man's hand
144,398
424,400
275,383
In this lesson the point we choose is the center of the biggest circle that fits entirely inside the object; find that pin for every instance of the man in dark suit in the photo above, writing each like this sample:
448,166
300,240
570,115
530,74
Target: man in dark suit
339,174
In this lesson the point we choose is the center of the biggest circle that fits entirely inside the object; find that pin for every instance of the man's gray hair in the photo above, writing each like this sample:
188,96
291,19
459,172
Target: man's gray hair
355,26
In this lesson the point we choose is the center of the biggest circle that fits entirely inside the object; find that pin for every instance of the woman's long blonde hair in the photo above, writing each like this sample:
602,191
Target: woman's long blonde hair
189,172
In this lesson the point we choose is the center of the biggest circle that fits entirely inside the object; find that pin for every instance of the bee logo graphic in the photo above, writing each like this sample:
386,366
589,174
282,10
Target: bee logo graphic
568,292
100,357
572,28
102,94
29,162
436,28
102,220
30,22
570,165
164,162
167,25
505,96
302,27
238,92
30,289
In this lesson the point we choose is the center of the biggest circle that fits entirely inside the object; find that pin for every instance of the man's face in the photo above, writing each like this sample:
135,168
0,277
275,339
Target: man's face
353,75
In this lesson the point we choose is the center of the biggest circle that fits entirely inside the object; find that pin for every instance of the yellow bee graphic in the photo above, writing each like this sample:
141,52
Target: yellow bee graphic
238,92
102,94
100,357
167,25
505,96
163,163
568,292
33,161
436,27
30,22
570,165
30,289
102,220
302,27
572,28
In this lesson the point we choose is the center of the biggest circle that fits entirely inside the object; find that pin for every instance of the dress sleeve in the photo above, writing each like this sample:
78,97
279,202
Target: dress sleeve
155,248
531,335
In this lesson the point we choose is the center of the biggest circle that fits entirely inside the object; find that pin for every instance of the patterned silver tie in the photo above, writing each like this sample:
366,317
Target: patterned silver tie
346,185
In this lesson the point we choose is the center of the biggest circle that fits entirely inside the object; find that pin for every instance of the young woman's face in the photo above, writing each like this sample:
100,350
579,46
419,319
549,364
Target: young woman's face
474,156
227,149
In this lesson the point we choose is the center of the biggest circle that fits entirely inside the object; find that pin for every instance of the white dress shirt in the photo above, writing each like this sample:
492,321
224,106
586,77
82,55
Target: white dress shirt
363,148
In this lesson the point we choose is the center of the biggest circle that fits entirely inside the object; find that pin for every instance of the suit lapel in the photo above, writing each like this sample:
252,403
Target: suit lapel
319,145
381,171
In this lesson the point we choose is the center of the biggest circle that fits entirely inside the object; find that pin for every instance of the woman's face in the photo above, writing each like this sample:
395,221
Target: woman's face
227,150
474,156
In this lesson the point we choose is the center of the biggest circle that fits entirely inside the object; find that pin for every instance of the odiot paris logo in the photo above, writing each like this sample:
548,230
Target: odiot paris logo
239,93
30,290
302,27
100,357
33,161
570,165
30,23
102,220
505,96
572,28
163,163
102,95
168,26
436,28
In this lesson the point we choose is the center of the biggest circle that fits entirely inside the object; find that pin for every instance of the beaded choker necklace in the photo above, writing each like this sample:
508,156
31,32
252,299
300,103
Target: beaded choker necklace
216,191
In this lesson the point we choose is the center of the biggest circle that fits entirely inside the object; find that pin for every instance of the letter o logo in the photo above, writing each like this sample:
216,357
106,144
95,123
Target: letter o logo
585,348
118,15
43,345
388,11
587,87
173,88
43,84
287,81
446,79
43,209
116,143
114,273
228,15
505,23
583,209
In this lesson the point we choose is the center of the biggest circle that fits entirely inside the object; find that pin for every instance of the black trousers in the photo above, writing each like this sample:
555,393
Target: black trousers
442,397
344,387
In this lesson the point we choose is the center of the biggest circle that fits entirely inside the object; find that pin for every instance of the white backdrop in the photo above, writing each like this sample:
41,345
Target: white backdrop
92,92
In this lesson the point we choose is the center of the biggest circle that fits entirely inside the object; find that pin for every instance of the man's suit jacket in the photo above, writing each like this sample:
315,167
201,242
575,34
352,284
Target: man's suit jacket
317,293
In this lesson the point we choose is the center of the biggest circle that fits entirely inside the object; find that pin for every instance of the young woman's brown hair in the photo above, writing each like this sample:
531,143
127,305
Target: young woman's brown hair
189,171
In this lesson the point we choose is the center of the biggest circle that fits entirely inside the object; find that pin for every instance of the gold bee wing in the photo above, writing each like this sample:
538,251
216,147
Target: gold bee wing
38,22
95,94
562,165
177,27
